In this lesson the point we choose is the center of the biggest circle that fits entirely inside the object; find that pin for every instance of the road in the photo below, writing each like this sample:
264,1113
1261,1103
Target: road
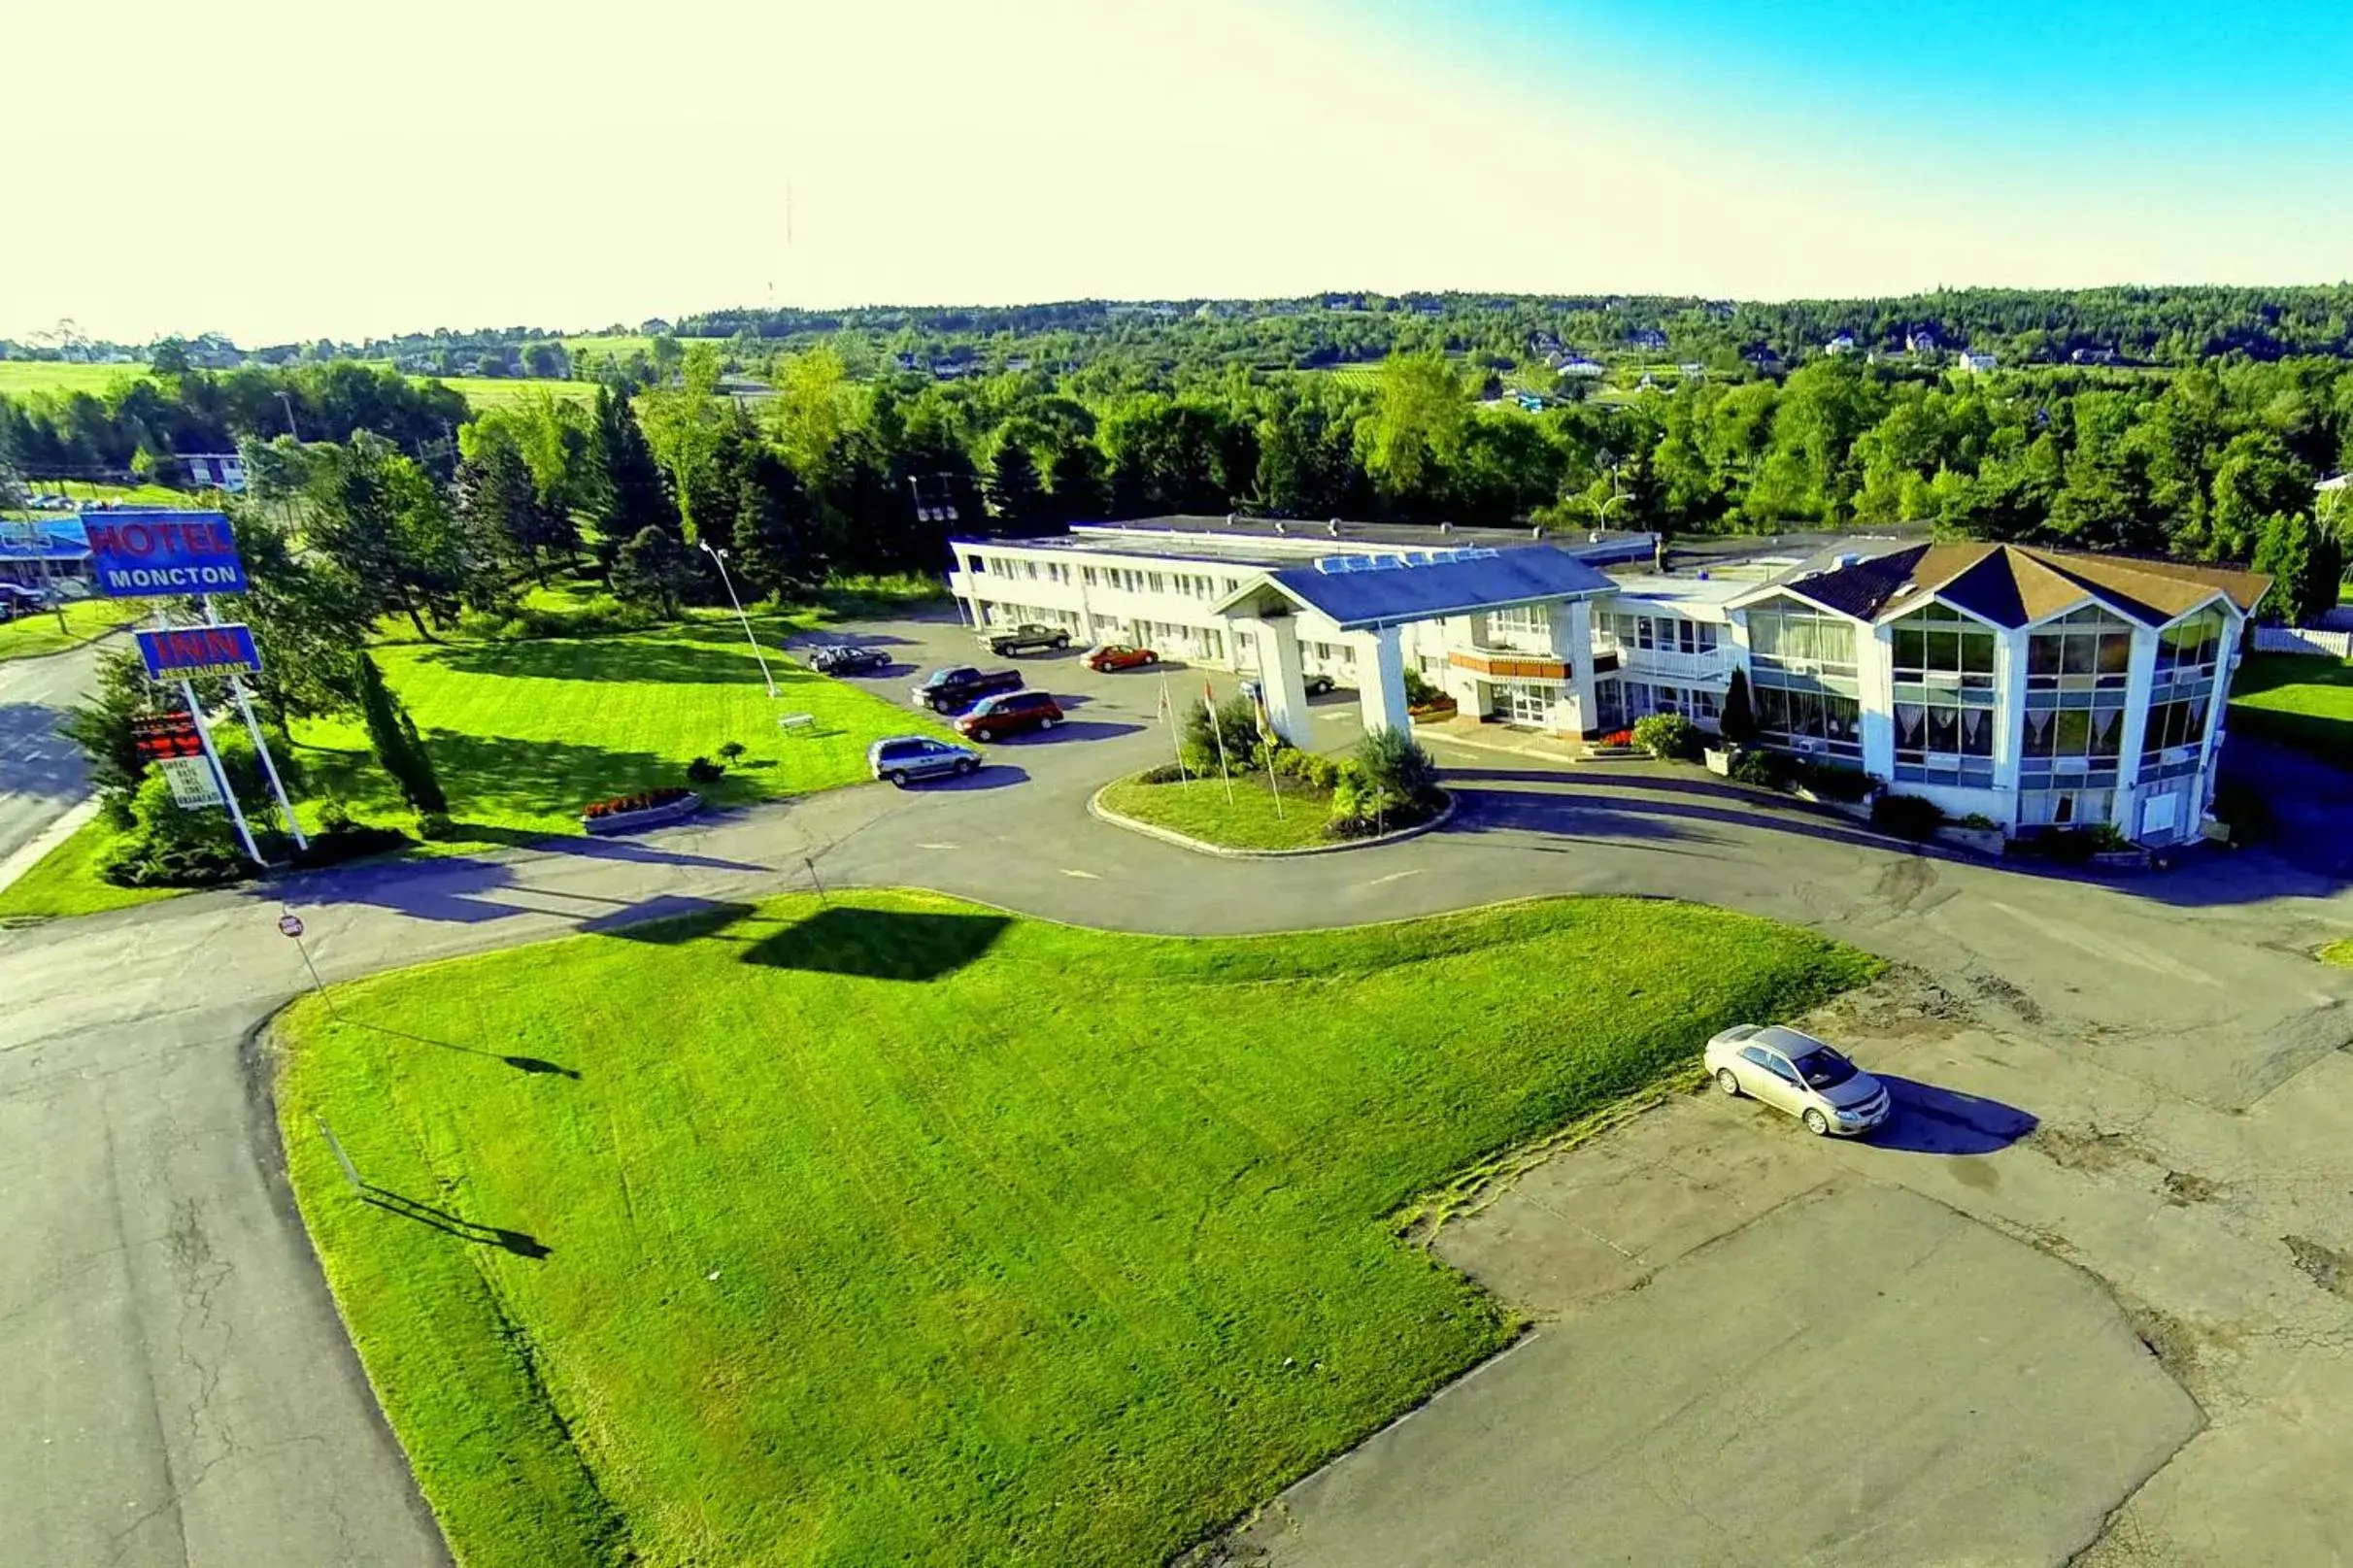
181,1392
40,772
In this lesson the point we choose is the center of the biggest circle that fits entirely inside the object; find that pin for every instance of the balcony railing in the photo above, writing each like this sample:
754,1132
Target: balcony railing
1709,664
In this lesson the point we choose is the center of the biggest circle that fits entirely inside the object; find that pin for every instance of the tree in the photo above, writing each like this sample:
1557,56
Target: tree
102,725
547,360
654,570
813,406
686,424
380,518
303,609
775,541
2283,553
1081,487
635,495
1414,430
398,748
1015,495
1736,719
495,495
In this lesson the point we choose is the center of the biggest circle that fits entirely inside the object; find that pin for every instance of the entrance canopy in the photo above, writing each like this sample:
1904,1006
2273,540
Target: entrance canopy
1365,592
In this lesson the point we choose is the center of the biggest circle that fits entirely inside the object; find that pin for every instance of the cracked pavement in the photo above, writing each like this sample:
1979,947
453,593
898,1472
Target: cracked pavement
181,1392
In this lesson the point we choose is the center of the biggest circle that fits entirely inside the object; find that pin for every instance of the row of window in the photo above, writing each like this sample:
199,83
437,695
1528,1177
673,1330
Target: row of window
1666,634
1809,721
1125,579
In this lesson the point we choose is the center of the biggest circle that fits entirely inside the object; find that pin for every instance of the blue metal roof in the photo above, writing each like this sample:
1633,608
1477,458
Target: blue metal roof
42,539
1361,599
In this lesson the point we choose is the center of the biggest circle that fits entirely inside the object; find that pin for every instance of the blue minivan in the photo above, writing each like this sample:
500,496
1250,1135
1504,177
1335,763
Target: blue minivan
904,759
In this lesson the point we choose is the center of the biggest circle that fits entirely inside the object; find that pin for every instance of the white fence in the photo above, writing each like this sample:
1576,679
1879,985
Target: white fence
2303,640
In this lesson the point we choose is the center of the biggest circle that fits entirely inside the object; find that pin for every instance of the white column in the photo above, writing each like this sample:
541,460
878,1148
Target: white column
1875,698
1464,632
1572,629
2124,809
1281,679
1382,687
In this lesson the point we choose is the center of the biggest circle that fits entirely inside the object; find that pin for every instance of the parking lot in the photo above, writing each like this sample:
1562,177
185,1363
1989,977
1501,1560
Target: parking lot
1116,721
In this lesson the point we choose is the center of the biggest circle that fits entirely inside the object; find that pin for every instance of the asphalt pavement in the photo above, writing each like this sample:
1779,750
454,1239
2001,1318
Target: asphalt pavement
40,772
182,1392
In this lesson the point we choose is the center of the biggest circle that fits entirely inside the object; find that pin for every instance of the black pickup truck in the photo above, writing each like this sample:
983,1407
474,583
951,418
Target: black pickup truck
960,686
1028,638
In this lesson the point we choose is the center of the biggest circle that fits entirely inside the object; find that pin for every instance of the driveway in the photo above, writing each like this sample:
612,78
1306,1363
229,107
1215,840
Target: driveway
40,772
184,1393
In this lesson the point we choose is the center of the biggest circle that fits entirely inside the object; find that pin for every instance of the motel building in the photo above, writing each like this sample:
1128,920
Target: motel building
2032,688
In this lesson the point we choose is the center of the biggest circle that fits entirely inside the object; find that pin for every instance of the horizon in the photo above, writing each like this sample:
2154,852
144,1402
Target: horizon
1046,152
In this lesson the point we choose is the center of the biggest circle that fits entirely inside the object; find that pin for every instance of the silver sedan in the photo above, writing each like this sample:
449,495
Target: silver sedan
1792,1071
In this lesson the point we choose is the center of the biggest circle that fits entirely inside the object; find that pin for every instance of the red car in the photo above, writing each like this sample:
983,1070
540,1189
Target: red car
1119,656
1011,714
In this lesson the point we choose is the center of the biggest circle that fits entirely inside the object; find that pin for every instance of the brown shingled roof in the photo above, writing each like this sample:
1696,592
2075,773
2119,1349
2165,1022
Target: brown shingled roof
2013,584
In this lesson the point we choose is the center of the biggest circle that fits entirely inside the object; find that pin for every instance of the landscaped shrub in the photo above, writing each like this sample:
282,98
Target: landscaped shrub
1669,737
1399,765
349,841
1420,692
703,771
1165,773
643,800
170,847
1907,816
733,752
1831,781
1768,770
1622,738
1736,719
1236,720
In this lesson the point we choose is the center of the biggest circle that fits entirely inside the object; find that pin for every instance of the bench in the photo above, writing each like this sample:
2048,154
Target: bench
797,724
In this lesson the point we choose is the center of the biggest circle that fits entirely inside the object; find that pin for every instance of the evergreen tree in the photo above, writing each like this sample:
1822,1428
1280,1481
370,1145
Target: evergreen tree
636,495
500,504
1014,496
1736,720
653,569
397,746
1081,483
776,545
2283,553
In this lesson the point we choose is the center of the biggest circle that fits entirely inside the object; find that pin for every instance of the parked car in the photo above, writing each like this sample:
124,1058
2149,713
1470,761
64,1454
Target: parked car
1028,638
1119,656
1010,714
960,686
1792,1071
905,758
848,660
1318,684
17,601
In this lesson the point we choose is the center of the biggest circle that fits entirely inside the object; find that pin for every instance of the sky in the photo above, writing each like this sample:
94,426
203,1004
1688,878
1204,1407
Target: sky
281,171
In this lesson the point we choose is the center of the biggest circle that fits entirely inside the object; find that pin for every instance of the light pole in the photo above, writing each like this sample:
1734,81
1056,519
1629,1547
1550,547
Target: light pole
720,556
287,400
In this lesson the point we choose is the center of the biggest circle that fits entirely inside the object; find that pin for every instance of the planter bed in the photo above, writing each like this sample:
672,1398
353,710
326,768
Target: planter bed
660,814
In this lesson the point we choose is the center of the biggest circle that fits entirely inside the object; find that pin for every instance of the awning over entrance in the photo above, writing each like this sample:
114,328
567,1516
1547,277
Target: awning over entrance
1365,592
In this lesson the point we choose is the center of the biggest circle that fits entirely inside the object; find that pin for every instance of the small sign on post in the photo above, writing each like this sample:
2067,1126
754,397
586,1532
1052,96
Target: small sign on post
177,653
193,786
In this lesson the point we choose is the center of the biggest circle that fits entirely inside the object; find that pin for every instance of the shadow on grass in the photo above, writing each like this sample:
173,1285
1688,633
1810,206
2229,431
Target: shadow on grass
521,1064
520,1243
880,944
696,656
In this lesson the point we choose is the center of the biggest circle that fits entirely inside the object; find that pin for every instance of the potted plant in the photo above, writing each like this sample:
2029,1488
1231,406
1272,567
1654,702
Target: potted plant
650,808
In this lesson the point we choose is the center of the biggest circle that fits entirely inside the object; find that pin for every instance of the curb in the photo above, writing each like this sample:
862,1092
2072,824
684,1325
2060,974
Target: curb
1102,813
35,850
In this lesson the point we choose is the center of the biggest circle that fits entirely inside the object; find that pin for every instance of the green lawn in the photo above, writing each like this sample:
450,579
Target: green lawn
496,391
2338,952
2304,701
1250,821
65,882
524,733
84,619
20,377
896,1229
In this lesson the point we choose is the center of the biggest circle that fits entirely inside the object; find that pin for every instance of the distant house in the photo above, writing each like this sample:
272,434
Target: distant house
908,361
1843,343
214,471
1921,339
1577,365
653,327
2333,483
1019,362
1695,370
1649,336
1543,343
1975,361
2095,355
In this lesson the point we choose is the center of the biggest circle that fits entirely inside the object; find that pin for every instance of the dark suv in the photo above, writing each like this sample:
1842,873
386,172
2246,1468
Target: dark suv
839,660
1011,714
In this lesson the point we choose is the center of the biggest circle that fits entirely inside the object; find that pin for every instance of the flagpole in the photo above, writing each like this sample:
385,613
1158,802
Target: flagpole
1225,768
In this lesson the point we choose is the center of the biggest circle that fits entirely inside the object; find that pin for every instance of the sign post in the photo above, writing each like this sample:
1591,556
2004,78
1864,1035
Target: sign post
221,775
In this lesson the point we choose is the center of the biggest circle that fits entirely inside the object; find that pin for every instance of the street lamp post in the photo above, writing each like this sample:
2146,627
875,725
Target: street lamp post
720,556
286,401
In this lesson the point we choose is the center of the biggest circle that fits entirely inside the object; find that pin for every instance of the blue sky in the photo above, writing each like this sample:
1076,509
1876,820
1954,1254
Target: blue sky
942,151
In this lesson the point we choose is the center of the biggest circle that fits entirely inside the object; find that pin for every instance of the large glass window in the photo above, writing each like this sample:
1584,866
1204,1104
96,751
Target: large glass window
2088,651
2191,645
1782,637
2088,737
1802,720
2172,724
1942,648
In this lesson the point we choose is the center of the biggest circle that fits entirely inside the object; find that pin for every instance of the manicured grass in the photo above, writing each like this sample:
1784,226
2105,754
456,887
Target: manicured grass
525,732
898,1230
1200,809
65,882
2339,953
84,619
498,391
20,377
2302,700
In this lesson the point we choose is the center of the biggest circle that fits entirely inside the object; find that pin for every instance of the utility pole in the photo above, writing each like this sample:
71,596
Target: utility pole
286,399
